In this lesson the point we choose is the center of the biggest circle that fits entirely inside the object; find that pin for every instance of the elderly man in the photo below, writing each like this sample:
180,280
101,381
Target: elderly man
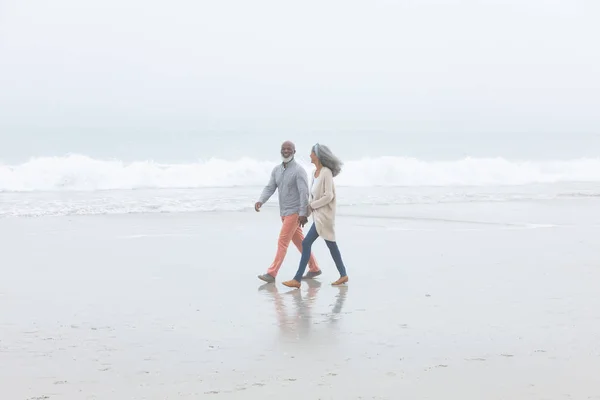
292,182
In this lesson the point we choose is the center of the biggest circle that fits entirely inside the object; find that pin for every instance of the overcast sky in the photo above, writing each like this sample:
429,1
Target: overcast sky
487,66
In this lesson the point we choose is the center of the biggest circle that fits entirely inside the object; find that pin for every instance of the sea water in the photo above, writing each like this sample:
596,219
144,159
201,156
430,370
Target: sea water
80,185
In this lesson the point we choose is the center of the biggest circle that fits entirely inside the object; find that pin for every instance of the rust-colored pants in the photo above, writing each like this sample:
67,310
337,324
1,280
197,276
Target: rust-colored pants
290,231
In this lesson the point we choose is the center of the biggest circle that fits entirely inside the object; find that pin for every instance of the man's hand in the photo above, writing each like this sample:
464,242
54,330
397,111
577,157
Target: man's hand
302,221
257,206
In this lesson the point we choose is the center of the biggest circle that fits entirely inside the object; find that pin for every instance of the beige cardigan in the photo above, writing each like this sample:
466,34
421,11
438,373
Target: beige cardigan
322,206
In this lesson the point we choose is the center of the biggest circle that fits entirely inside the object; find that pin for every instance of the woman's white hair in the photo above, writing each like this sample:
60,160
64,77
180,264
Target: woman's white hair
327,158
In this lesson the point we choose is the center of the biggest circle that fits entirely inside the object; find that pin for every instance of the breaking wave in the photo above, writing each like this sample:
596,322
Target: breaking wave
83,173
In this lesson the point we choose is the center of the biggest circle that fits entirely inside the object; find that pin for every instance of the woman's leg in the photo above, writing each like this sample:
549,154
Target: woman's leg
309,239
337,257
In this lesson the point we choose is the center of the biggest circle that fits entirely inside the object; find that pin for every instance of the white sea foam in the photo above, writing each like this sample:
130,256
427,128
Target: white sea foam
57,203
82,173
80,185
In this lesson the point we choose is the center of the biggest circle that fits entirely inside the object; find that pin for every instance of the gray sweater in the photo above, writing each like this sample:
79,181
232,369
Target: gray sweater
292,183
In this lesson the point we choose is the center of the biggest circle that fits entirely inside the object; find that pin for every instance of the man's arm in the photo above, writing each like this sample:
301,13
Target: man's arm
269,189
302,183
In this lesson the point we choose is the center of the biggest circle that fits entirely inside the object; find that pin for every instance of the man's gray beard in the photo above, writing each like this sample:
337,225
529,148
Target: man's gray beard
287,160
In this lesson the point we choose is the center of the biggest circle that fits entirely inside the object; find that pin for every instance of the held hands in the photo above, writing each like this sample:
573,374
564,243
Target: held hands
302,221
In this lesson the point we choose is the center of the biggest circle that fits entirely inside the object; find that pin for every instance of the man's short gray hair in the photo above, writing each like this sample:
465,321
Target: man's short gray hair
327,158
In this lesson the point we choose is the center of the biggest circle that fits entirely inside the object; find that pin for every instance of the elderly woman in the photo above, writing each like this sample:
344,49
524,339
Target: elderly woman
322,207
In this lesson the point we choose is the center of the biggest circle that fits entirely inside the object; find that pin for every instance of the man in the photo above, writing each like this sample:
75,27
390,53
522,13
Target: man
292,182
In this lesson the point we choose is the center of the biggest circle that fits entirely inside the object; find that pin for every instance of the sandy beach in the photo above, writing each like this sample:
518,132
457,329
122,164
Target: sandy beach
456,301
464,138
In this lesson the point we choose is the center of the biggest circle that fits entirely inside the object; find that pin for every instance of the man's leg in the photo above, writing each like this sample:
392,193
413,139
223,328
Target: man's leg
288,228
313,266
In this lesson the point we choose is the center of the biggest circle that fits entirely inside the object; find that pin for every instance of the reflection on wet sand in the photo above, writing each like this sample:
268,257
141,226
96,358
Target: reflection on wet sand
298,324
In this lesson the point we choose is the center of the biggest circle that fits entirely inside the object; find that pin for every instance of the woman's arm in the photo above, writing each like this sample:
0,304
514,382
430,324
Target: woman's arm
327,178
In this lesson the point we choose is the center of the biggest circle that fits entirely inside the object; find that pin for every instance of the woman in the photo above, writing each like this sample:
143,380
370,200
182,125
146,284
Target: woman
322,206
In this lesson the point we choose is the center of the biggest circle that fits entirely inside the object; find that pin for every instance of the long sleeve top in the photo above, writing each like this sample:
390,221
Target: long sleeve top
323,204
291,182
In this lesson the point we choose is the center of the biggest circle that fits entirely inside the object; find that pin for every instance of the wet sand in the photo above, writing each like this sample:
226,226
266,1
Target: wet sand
456,301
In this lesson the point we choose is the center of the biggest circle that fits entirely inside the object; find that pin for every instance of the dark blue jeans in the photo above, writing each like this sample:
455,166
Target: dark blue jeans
307,243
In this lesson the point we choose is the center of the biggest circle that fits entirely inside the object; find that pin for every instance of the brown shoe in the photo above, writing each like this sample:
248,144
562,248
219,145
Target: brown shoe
341,281
293,283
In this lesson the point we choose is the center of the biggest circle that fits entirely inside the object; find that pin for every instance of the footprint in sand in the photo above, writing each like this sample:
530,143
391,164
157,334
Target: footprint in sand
437,366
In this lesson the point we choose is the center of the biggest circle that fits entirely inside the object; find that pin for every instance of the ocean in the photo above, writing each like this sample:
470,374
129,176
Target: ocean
83,185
